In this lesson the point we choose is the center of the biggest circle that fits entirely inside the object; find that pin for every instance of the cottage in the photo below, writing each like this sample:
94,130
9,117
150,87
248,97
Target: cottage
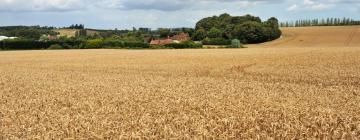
161,41
175,39
181,37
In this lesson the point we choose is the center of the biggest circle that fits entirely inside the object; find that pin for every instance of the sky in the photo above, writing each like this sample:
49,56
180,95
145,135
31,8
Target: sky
125,14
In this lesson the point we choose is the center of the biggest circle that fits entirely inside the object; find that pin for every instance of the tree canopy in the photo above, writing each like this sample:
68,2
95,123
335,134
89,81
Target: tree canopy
28,32
247,28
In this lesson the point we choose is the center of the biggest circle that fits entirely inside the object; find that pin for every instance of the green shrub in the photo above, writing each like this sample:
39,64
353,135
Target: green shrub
93,44
184,45
158,47
216,41
122,44
235,43
113,44
176,46
67,46
136,45
19,44
55,47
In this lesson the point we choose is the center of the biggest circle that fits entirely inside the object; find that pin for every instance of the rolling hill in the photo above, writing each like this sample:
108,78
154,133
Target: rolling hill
67,32
329,36
72,32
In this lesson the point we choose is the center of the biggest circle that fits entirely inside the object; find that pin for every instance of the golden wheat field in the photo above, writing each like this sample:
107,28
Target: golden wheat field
256,93
317,36
289,92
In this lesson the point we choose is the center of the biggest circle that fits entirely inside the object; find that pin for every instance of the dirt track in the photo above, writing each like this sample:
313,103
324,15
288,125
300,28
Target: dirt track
333,36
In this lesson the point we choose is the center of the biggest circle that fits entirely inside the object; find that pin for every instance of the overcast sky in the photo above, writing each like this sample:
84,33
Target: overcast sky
110,14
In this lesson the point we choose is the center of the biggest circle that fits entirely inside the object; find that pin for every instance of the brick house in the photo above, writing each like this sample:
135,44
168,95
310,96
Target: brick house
181,37
161,41
175,39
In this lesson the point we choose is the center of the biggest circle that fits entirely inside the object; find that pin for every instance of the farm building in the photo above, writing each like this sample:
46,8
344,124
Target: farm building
174,39
181,37
161,41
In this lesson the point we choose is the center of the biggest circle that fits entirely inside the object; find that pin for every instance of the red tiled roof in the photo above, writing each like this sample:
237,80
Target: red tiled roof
181,37
161,42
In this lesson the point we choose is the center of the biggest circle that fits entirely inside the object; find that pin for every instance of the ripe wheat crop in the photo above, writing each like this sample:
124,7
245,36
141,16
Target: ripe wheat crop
254,93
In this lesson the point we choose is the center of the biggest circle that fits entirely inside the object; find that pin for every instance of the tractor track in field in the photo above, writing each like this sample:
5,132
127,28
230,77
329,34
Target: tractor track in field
351,37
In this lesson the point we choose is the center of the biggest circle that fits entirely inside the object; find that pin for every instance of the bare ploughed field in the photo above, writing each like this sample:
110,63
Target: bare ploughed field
258,92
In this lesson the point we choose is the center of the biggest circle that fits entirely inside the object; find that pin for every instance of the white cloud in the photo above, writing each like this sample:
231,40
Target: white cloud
41,5
161,13
161,5
292,7
309,2
322,6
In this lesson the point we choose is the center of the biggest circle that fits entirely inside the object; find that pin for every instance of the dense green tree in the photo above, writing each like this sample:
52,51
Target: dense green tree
214,33
77,26
144,30
273,22
189,31
250,32
272,30
216,41
132,37
199,34
223,26
164,32
27,32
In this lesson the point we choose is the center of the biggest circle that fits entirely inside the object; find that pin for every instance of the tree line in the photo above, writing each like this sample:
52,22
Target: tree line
321,22
76,26
22,44
29,32
33,32
127,39
217,30
68,44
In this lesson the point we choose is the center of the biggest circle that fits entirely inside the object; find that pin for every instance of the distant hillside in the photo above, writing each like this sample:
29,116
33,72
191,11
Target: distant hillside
90,32
72,32
320,36
27,32
67,32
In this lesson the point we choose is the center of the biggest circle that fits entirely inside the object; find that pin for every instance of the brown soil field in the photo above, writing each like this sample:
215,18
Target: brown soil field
72,32
252,93
331,36
67,32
